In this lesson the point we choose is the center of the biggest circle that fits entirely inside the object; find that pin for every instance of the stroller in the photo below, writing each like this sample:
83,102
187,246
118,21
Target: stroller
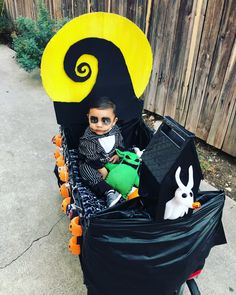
126,249
133,247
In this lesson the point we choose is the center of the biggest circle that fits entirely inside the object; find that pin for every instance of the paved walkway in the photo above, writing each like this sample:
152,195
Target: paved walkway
34,232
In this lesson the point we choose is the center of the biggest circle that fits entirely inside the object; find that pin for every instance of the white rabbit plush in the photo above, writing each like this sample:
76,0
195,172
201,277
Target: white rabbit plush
183,199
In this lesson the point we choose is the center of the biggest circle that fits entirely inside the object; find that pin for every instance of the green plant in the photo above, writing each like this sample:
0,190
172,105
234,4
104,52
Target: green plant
205,165
32,37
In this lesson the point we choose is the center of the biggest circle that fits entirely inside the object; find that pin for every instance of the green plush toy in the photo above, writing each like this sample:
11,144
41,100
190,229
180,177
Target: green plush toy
124,175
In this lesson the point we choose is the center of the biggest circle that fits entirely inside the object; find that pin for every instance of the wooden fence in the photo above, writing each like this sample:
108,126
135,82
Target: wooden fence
194,48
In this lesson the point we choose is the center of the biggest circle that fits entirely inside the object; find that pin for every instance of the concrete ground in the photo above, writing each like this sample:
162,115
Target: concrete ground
33,230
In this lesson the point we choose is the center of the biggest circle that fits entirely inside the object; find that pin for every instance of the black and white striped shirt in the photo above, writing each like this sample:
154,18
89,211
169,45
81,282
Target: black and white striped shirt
96,150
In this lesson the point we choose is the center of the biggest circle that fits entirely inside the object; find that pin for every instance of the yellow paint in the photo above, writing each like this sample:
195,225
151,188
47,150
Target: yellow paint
119,30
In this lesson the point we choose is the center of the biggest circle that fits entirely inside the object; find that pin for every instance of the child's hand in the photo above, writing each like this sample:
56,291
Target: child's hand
104,172
114,159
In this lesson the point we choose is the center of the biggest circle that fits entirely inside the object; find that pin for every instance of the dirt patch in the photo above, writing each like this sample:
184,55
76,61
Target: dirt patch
219,168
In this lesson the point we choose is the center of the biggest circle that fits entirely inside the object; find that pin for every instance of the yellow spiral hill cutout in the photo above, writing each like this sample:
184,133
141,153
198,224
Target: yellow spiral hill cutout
70,78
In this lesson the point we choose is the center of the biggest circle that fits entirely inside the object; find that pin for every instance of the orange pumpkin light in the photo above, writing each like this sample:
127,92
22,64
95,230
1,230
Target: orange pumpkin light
57,153
63,173
65,190
57,140
75,228
73,246
60,161
65,204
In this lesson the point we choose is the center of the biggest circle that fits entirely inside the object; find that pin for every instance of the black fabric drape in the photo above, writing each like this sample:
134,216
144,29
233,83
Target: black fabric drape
123,255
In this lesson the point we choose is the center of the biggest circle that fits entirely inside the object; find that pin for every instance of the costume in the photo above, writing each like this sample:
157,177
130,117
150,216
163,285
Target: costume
94,152
112,57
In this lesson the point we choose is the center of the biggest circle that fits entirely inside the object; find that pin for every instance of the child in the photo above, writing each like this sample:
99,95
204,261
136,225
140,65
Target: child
97,147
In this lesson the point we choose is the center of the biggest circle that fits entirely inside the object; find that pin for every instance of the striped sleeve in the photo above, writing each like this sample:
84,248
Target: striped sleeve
90,152
120,141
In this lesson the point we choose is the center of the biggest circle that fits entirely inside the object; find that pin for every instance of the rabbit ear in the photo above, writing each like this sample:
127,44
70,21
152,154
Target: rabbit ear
190,178
177,178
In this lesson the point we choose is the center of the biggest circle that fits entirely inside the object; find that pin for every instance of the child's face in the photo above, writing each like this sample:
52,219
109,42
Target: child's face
101,121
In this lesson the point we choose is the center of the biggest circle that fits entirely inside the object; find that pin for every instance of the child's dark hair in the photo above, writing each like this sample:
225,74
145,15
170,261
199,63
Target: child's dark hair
103,103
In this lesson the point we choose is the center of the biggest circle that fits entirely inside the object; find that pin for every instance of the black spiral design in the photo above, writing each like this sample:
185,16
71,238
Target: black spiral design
111,73
71,58
83,68
110,77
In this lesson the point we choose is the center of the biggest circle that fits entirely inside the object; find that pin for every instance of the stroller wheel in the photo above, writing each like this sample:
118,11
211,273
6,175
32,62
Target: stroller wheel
65,204
75,228
73,246
65,190
193,288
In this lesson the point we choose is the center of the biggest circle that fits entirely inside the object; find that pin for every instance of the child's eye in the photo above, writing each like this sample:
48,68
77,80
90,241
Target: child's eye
106,121
93,119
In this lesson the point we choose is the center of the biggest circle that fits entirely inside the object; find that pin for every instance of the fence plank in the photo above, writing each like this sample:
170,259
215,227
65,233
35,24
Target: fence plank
24,11
229,145
80,7
166,55
66,8
168,11
180,46
140,14
19,8
195,32
218,69
155,36
57,11
208,41
96,5
33,9
13,5
130,12
119,7
48,4
148,15
225,105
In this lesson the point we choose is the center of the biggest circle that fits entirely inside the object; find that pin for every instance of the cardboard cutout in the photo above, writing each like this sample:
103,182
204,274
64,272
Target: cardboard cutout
96,54
71,44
